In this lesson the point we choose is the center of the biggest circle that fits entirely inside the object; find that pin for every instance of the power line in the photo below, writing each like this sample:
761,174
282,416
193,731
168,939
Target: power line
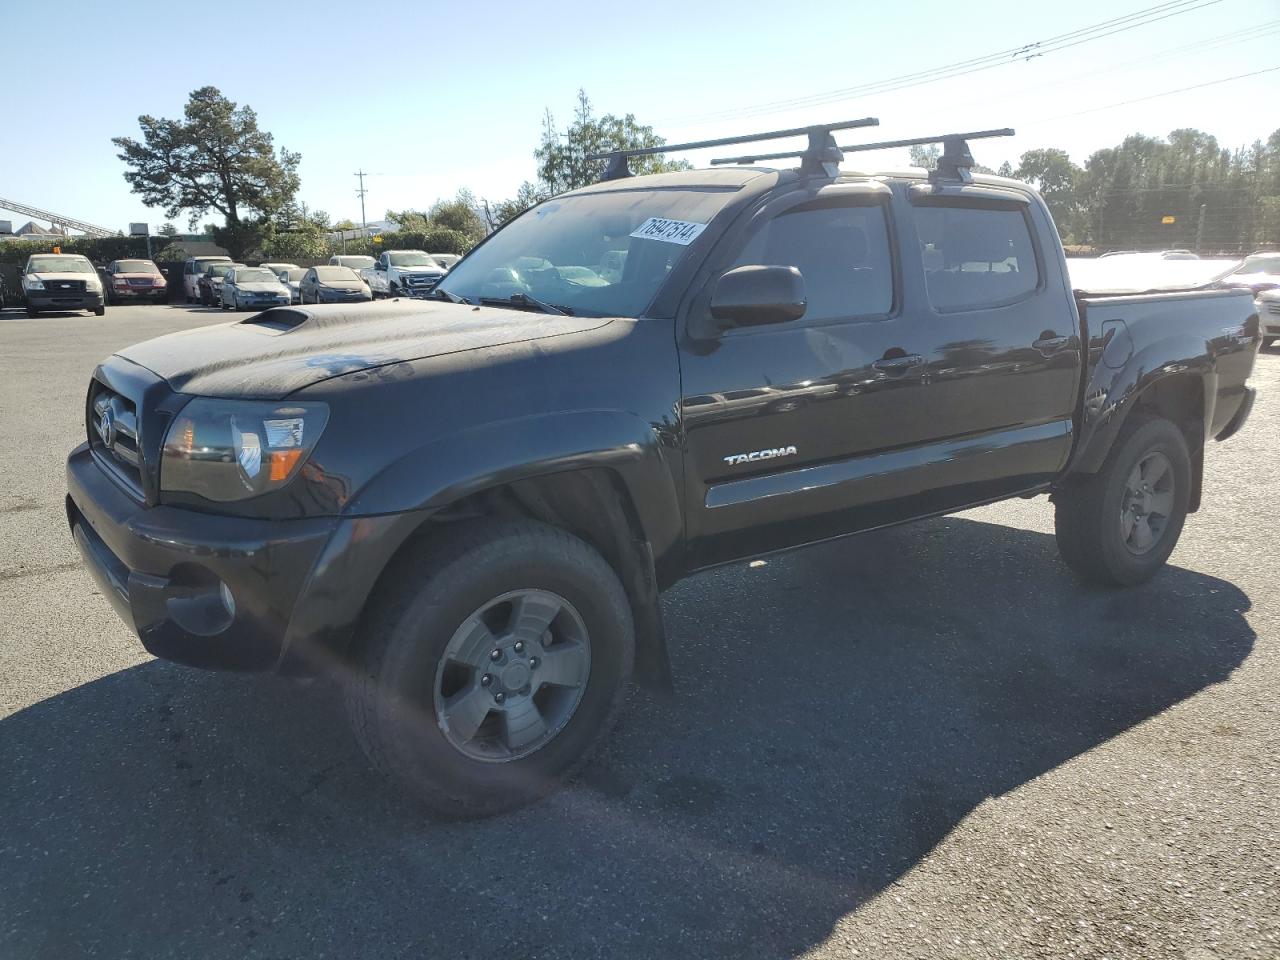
962,68
1155,96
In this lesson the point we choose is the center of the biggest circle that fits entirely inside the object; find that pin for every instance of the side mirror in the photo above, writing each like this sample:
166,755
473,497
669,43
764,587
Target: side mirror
379,265
755,295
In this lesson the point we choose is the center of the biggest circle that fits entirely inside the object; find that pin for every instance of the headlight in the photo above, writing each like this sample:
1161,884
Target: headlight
33,283
231,450
94,284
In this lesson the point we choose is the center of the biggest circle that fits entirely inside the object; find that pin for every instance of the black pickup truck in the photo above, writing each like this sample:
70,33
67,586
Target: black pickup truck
465,510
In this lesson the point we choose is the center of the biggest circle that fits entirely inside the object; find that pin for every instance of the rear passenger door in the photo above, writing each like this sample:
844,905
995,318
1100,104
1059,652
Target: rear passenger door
1004,374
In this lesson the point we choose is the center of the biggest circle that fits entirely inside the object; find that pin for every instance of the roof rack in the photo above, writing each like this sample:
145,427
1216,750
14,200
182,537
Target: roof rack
954,163
821,151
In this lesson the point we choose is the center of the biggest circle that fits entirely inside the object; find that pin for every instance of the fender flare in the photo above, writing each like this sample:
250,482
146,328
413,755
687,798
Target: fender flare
395,504
1113,393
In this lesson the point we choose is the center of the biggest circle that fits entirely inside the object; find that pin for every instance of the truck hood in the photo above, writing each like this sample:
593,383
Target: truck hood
46,277
275,353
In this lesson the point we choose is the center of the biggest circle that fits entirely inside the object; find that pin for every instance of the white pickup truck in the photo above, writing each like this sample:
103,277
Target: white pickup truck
403,273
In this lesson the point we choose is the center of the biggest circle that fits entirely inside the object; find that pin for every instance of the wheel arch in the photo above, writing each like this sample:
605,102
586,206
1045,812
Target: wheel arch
620,498
1152,383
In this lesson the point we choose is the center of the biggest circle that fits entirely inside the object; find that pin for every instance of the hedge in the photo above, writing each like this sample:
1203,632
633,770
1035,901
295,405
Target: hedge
99,250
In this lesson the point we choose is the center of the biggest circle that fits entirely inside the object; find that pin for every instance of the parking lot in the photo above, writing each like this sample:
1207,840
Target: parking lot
927,742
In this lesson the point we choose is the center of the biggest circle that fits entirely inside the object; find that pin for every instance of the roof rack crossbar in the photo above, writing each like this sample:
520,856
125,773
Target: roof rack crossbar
919,141
954,163
821,149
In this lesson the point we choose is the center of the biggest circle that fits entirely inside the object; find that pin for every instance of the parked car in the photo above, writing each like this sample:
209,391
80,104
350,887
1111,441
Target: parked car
446,260
292,278
4,292
61,281
133,280
250,288
276,267
403,273
355,262
1268,304
332,285
192,271
211,282
1260,271
466,506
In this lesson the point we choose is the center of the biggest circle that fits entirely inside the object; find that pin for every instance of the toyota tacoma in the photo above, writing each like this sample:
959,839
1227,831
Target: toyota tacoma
465,508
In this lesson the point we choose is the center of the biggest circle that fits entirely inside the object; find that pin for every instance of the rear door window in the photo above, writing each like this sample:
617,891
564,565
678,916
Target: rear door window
842,252
976,257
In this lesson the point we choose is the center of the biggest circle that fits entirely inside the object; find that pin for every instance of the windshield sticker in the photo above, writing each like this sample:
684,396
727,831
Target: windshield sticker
669,231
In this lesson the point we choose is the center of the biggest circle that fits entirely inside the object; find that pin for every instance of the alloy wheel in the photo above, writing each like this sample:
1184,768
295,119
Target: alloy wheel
512,676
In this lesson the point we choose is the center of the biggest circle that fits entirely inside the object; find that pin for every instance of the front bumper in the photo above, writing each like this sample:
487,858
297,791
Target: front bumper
167,572
53,300
155,294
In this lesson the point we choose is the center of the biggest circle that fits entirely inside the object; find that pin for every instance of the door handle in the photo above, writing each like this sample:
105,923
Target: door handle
1048,345
898,364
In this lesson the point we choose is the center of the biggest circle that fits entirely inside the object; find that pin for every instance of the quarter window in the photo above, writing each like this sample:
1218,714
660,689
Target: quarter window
842,252
975,257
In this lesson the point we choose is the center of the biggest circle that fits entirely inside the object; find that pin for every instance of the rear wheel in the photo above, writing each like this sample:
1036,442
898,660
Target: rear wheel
490,665
1118,526
1267,342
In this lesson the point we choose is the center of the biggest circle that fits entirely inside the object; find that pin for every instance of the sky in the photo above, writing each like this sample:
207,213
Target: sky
432,97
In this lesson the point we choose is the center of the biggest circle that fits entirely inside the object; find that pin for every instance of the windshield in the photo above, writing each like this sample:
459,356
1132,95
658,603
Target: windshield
255,275
136,266
356,263
411,260
1260,265
57,264
219,269
295,274
336,275
599,254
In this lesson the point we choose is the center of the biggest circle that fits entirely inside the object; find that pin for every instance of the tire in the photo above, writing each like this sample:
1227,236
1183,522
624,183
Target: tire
1091,517
100,311
417,615
1267,342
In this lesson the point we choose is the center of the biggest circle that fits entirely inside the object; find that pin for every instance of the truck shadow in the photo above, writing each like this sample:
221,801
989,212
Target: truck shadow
839,711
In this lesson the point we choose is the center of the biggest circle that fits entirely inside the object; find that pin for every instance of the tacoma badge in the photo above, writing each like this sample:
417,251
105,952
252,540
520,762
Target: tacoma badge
734,459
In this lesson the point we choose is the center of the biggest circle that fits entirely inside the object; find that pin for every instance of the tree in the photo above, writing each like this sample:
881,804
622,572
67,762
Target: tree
562,157
527,196
925,155
461,214
216,158
168,230
1057,178
344,224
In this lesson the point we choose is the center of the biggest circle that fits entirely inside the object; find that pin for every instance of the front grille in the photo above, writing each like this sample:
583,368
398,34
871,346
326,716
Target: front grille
113,435
1274,308
64,286
421,279
140,282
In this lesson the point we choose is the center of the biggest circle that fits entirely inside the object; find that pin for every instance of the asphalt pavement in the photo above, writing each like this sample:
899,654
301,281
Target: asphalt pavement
927,742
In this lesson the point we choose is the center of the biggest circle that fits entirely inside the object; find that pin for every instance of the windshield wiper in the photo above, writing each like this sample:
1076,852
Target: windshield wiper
524,300
451,297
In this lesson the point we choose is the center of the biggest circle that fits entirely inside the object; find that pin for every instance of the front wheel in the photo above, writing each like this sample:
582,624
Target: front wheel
1267,342
100,311
1118,526
490,665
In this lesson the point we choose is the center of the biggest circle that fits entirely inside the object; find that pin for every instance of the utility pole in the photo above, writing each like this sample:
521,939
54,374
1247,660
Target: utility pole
360,193
1200,229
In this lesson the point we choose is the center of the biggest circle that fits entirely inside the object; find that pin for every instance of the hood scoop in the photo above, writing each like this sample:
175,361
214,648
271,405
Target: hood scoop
278,320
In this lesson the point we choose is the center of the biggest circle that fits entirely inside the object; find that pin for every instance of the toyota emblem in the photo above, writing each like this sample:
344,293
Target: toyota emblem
107,428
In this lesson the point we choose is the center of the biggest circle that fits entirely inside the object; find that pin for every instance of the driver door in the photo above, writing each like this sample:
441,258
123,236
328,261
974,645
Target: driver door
791,427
